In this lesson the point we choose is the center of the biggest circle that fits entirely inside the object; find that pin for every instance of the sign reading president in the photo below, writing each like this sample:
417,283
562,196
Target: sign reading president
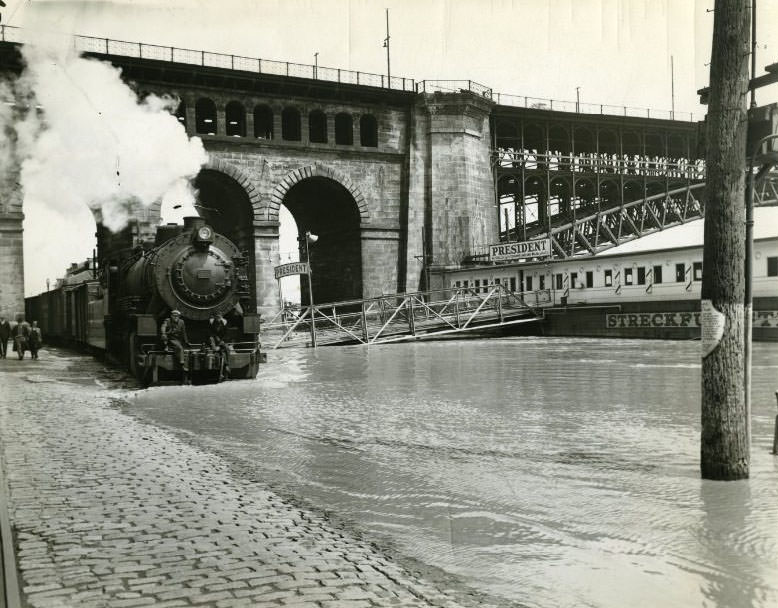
539,248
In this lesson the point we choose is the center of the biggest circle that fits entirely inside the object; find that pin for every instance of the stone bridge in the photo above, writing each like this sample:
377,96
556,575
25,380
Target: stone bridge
388,177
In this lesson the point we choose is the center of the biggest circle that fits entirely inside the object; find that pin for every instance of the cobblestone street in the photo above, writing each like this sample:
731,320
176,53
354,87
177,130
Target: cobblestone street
108,511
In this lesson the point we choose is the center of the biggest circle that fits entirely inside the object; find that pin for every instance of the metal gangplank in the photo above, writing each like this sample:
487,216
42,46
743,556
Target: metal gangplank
397,317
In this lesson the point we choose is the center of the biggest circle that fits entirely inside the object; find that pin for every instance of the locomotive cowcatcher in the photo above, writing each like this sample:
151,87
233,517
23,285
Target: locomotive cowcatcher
194,270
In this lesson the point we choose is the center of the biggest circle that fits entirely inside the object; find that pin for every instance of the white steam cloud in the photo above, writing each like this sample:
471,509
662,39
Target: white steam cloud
77,143
94,143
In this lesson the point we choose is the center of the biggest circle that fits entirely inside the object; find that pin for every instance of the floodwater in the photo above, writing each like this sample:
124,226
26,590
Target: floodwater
545,472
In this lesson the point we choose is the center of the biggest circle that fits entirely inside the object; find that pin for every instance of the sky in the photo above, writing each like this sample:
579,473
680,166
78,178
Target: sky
615,52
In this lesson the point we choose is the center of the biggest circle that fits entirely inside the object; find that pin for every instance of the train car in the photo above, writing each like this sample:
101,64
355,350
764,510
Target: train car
71,314
198,272
651,294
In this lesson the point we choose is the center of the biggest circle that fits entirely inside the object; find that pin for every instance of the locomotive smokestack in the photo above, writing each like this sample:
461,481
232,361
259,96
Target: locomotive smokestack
193,223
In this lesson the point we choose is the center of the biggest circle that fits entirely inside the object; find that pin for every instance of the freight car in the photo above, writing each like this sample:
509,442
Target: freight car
72,313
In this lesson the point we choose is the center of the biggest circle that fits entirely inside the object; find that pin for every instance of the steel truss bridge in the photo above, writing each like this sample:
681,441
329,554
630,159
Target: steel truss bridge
595,232
399,317
597,224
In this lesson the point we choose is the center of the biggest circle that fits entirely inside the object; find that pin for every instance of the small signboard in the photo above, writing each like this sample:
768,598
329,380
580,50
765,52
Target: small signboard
539,248
285,270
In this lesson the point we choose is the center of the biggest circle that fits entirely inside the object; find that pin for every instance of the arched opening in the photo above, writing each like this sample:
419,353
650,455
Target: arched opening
368,131
235,115
263,122
225,205
205,116
534,145
344,129
559,197
509,193
290,124
327,209
609,194
632,148
317,127
535,203
559,148
609,148
585,194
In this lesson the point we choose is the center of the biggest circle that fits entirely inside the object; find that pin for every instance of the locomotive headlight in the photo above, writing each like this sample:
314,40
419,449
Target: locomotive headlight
204,234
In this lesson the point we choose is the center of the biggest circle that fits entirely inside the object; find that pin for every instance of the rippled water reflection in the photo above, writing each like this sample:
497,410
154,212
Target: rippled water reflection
554,472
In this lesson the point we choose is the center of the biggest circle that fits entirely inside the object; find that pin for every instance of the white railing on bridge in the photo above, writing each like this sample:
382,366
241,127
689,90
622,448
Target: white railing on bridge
625,164
107,46
404,316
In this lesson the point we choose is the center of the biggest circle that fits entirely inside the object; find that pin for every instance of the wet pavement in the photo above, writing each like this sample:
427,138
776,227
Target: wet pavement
110,511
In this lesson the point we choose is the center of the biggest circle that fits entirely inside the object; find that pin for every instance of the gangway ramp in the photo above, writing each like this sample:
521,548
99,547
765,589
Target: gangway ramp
398,317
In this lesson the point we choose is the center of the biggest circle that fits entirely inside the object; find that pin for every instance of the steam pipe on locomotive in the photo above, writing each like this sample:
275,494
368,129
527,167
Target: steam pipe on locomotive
201,273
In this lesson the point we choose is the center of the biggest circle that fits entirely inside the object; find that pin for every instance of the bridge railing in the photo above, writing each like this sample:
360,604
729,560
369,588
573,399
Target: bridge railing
400,316
453,86
693,169
540,103
91,44
123,48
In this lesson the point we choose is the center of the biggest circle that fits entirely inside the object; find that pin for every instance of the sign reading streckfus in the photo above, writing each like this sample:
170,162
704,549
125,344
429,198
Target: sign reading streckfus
539,248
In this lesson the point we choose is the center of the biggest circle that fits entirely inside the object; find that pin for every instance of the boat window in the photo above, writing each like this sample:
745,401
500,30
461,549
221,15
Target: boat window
658,273
772,266
680,273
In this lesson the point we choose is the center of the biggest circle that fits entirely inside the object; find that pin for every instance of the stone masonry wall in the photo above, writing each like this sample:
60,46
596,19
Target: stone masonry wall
462,196
11,246
373,175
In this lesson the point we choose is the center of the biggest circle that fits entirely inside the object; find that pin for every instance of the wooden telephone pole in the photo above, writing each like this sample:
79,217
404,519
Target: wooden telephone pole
725,425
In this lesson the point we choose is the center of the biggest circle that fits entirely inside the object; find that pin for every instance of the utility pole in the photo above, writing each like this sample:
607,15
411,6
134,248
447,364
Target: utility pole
577,99
672,88
753,51
725,449
386,45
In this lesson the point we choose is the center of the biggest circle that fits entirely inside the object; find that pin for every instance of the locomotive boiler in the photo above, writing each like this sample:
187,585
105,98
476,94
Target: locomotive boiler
202,274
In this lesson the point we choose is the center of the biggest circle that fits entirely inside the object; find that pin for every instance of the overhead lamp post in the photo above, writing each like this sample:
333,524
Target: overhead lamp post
309,240
767,160
578,99
315,65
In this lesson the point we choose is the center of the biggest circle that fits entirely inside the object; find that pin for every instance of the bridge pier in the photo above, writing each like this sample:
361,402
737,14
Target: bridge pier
12,267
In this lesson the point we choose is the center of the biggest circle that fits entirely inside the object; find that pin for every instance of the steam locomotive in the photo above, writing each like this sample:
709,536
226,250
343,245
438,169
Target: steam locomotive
200,273
190,268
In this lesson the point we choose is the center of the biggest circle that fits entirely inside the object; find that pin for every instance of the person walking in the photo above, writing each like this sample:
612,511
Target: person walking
173,334
21,335
36,339
5,333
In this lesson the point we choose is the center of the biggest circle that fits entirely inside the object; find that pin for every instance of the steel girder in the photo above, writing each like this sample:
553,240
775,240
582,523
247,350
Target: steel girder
607,228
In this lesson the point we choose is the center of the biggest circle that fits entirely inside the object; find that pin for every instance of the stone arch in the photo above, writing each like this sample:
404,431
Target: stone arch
315,170
236,173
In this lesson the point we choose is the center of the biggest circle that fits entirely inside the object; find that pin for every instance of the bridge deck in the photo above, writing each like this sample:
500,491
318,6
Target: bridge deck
399,317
